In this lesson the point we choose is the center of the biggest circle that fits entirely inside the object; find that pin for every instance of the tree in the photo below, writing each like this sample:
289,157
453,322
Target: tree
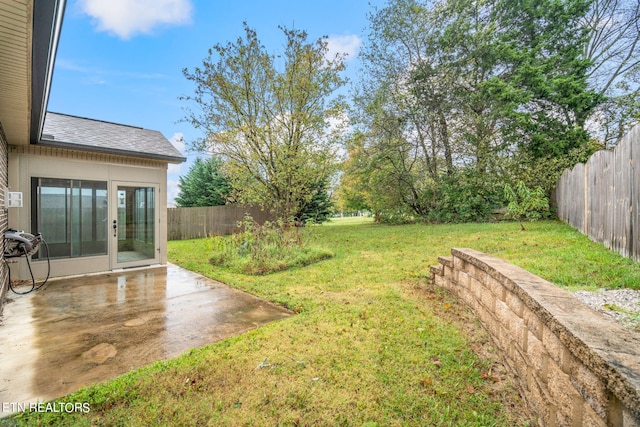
454,90
318,207
426,111
272,117
613,50
541,44
203,185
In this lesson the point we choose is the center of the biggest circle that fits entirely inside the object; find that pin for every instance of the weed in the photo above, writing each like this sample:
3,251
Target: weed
267,248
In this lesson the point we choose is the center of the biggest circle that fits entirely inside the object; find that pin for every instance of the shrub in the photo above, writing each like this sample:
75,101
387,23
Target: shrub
466,196
526,203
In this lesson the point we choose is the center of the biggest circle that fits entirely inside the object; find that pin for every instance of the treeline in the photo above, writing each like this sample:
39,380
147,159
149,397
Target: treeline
457,102
460,97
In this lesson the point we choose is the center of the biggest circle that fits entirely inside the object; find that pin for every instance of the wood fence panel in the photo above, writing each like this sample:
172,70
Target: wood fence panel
634,136
193,223
600,197
621,238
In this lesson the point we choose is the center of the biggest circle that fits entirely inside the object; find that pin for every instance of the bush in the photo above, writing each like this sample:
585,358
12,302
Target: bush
526,203
466,196
263,249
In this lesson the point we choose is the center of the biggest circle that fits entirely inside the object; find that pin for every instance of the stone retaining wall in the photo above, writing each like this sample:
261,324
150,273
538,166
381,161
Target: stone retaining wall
573,366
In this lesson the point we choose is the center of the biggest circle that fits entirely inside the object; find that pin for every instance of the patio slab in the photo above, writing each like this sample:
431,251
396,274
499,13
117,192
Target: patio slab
84,330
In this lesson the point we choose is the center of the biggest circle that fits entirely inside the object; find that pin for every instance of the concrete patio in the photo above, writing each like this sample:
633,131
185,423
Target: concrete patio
81,331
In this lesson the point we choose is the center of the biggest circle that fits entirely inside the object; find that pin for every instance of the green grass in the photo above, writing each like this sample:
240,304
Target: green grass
350,220
372,343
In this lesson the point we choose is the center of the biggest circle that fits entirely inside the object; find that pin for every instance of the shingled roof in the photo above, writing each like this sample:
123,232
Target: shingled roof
62,130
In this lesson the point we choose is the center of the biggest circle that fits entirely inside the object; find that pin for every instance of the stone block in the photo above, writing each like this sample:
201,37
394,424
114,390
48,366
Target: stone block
487,298
615,412
496,287
590,418
515,303
536,353
475,283
628,419
486,318
446,261
521,365
442,282
533,322
448,271
470,269
520,332
481,275
503,313
592,389
463,279
562,392
468,298
436,270
458,263
558,352
542,405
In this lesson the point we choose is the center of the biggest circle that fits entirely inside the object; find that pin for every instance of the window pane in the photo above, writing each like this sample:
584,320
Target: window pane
136,226
54,205
75,219
71,215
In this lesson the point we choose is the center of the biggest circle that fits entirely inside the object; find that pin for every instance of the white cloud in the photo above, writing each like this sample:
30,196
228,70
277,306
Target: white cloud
177,140
126,18
349,44
172,192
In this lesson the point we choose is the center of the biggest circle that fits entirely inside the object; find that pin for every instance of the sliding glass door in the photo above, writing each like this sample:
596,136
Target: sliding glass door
71,214
134,224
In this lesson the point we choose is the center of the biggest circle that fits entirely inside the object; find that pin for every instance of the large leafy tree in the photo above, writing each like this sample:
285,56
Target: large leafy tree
541,46
203,185
272,117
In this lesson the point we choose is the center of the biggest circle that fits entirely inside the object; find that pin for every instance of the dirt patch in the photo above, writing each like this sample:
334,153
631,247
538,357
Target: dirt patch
100,353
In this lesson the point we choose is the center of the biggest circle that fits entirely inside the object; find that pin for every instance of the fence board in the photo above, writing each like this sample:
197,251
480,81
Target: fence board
193,223
599,198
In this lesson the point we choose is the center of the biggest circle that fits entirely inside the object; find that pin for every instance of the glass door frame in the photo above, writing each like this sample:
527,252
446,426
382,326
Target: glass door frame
113,220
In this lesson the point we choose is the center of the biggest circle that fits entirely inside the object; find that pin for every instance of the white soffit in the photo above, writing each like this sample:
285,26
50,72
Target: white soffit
15,69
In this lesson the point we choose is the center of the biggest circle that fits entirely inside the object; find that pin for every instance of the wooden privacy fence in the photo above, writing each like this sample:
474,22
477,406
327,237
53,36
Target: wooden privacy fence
192,223
600,198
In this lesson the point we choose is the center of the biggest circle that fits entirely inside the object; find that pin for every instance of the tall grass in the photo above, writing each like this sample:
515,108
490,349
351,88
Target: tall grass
267,248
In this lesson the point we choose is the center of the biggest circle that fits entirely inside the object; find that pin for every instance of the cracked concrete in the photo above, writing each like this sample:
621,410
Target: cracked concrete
81,331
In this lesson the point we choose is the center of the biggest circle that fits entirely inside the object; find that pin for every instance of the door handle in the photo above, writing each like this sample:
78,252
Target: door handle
115,228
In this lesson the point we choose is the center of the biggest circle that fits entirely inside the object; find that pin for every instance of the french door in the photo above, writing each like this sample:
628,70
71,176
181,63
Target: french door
134,224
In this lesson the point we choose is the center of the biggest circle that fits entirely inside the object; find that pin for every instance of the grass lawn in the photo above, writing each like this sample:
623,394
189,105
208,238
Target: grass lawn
372,344
349,220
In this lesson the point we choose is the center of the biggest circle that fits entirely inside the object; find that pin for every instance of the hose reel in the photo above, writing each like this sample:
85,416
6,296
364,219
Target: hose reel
18,244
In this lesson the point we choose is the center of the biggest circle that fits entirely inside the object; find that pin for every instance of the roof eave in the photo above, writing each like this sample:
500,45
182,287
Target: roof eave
152,156
47,25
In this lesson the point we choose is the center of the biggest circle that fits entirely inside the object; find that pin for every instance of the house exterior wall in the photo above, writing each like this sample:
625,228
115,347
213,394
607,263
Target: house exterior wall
47,162
4,270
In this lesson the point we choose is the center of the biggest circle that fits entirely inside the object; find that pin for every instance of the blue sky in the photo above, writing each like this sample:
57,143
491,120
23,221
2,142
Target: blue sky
122,60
